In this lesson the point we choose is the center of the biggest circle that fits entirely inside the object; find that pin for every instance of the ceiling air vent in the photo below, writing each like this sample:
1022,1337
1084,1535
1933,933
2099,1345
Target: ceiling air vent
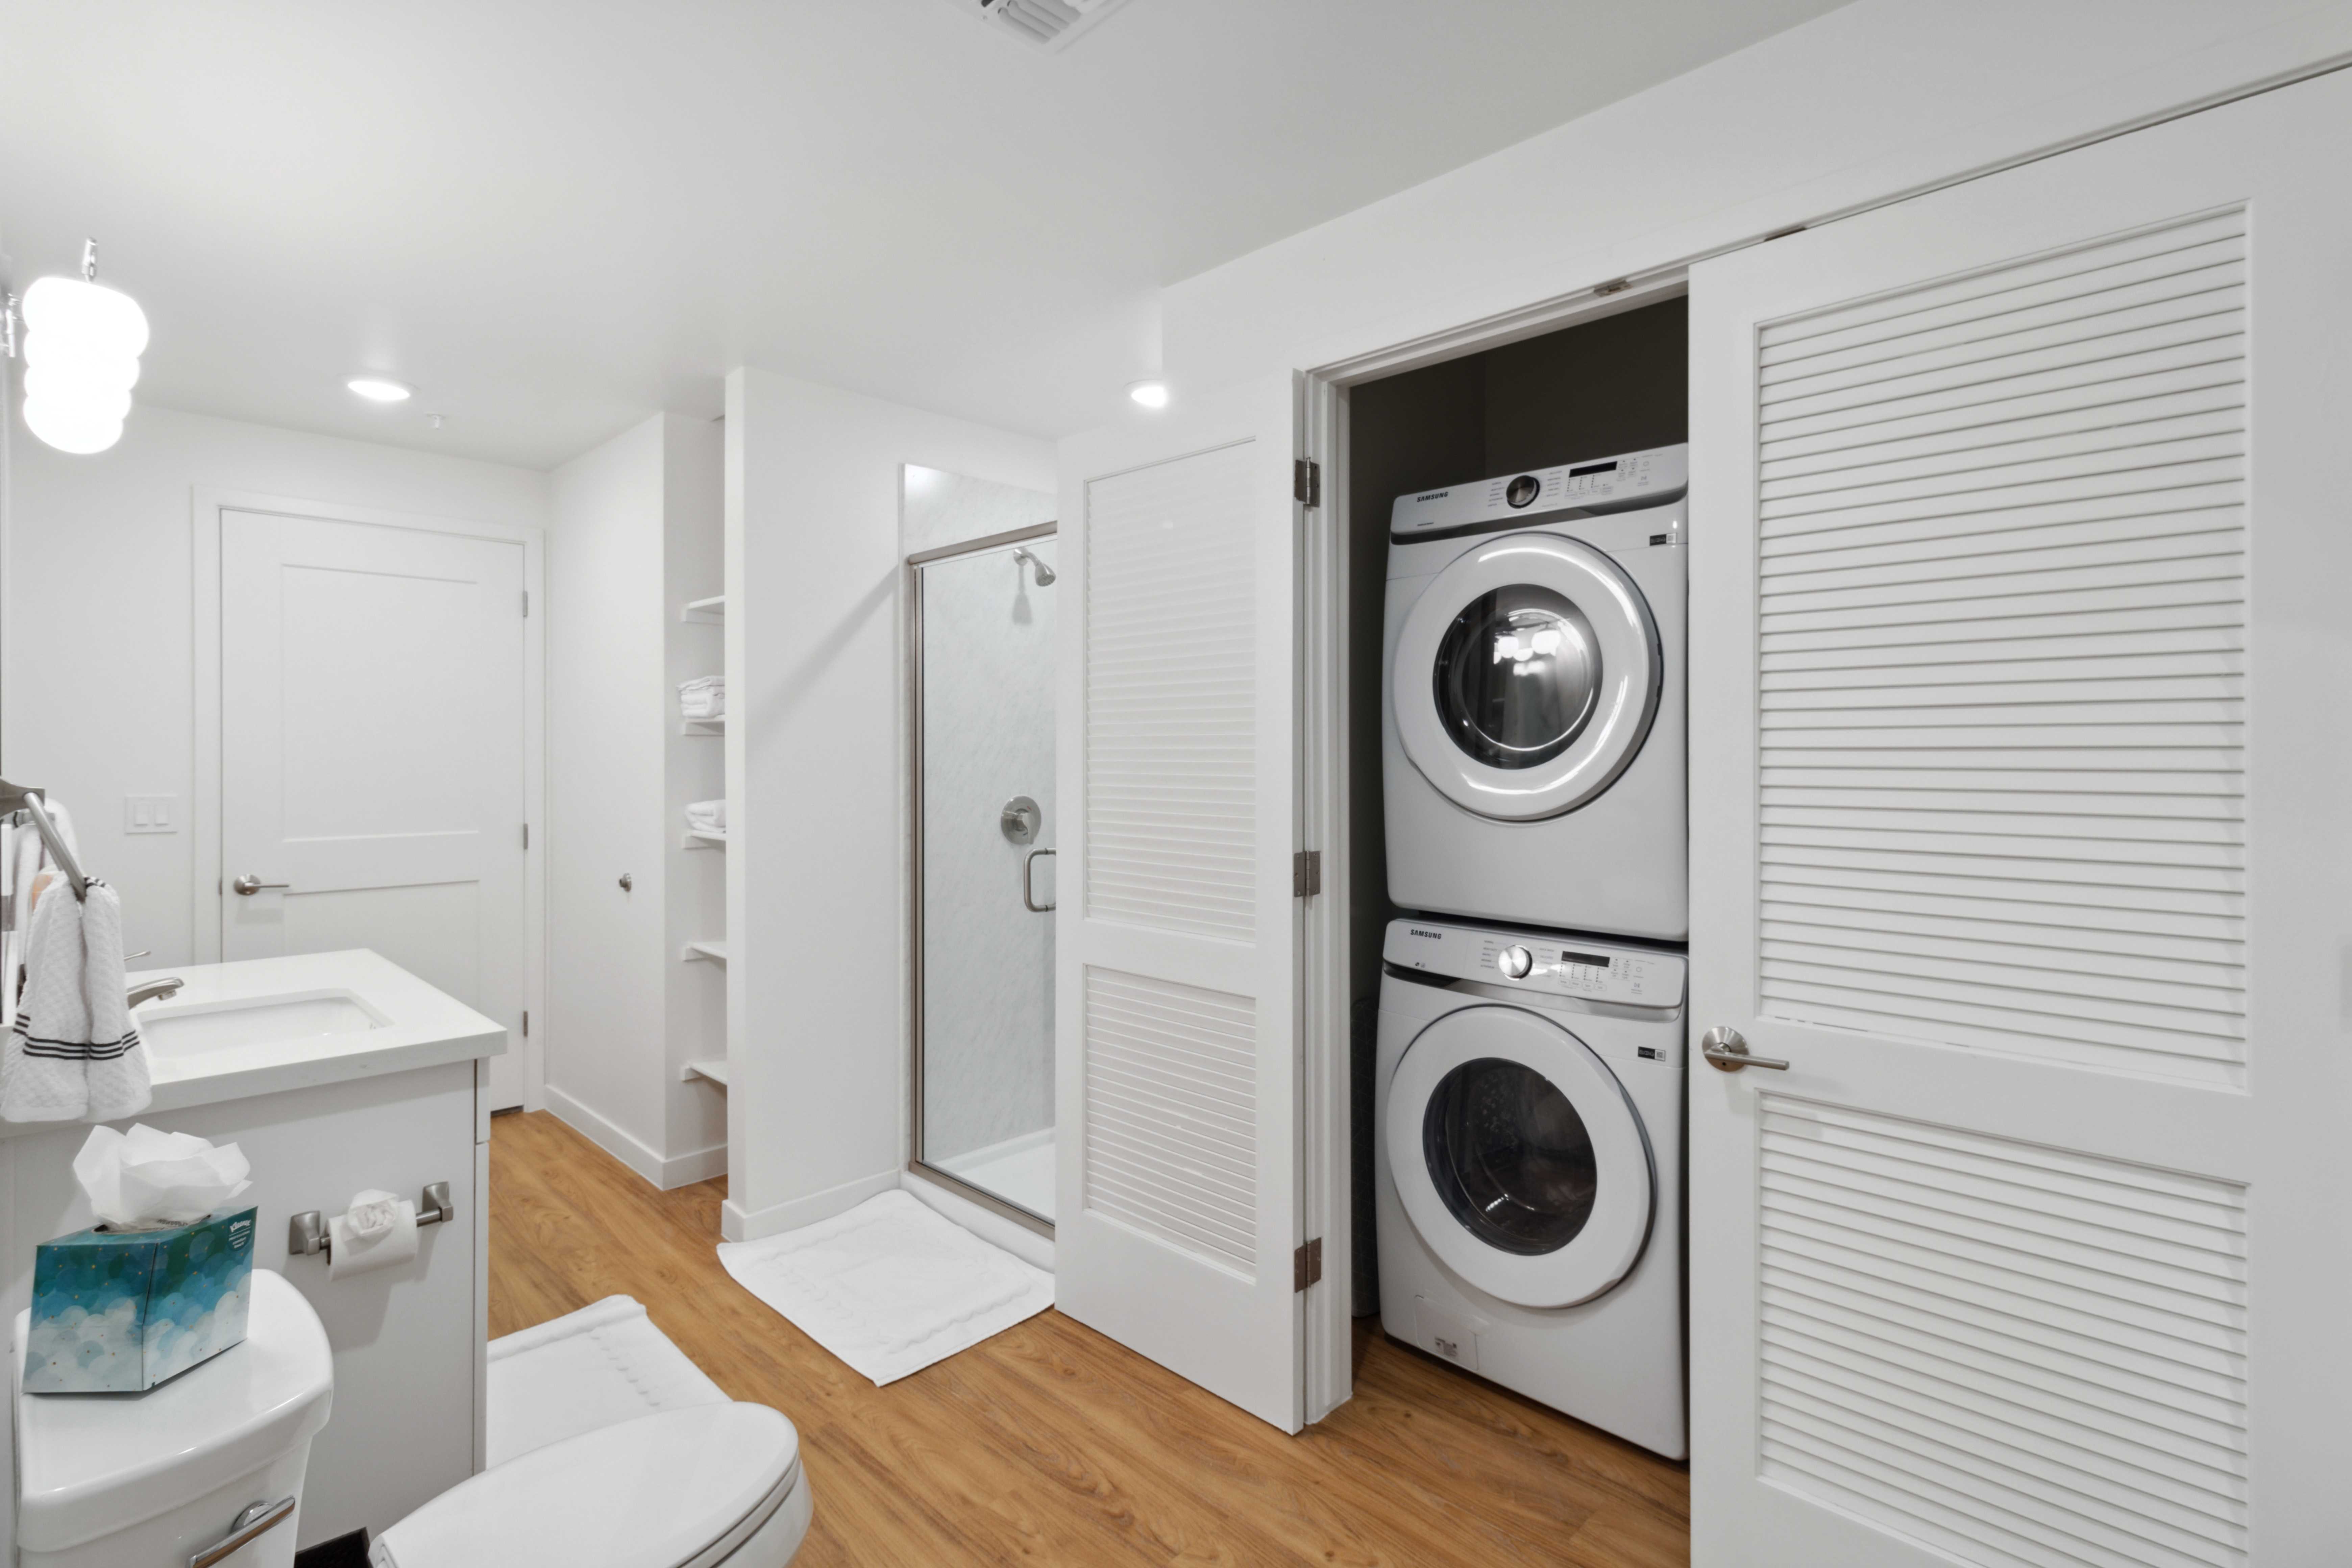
1048,23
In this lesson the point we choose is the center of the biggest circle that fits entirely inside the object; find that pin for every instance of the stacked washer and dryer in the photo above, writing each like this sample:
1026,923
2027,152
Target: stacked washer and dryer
1529,1064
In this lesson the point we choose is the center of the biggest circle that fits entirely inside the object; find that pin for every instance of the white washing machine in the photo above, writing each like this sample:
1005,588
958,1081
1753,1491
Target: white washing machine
1533,735
1530,1167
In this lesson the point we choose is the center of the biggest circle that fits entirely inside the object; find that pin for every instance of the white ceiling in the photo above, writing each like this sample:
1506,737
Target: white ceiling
553,216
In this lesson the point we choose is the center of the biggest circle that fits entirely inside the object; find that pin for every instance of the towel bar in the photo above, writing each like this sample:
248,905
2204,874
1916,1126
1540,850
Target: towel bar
16,797
307,1232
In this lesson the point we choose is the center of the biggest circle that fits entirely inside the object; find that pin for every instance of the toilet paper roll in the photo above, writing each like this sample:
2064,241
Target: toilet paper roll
377,1232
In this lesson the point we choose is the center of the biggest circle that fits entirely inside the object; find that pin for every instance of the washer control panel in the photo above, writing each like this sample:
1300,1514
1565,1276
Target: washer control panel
1560,966
1602,485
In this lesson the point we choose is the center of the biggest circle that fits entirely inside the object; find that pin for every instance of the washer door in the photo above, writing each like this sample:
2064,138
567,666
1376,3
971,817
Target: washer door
1518,1158
1526,676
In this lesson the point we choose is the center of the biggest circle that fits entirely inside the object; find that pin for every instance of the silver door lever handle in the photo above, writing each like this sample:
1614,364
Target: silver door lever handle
250,884
1727,1052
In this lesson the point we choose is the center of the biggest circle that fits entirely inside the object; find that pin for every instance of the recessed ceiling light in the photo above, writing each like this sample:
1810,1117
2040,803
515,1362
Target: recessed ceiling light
377,389
1151,393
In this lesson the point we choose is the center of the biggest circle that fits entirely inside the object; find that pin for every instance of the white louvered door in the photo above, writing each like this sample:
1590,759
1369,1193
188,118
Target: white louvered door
1177,1209
2021,828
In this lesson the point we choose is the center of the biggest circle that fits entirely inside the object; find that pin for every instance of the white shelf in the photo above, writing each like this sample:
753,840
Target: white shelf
716,1071
708,952
704,612
697,839
703,726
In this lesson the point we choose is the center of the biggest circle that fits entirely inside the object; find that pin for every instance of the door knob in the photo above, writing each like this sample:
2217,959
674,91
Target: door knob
250,884
1727,1052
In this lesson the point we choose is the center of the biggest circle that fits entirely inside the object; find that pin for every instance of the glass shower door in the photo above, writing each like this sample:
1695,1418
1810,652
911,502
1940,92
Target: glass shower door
985,829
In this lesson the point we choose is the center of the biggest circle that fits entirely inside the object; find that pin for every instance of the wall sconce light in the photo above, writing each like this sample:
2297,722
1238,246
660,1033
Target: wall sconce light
81,347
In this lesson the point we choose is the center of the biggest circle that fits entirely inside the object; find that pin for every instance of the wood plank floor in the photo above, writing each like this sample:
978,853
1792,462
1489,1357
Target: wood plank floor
1050,1444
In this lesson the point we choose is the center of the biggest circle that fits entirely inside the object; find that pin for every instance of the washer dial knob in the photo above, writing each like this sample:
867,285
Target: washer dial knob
1515,962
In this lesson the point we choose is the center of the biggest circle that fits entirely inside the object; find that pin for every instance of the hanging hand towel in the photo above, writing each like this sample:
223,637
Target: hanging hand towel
119,1085
74,1053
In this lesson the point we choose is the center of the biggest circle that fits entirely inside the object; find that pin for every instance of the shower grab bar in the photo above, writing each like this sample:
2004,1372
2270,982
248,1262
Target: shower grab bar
1028,895
17,797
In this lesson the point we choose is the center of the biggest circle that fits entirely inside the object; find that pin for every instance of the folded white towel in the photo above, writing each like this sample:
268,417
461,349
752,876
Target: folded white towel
74,1053
703,697
707,817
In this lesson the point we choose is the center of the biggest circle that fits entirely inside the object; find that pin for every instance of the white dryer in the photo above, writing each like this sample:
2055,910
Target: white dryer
1533,735
1528,1120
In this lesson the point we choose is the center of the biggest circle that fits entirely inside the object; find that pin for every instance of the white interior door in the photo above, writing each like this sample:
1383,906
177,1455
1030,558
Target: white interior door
372,774
1176,1045
2021,529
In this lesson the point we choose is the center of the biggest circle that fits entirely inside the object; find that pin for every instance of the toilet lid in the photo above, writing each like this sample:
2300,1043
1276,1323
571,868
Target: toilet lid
661,1492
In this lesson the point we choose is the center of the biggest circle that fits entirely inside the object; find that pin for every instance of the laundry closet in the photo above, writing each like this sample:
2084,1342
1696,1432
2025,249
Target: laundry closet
1516,869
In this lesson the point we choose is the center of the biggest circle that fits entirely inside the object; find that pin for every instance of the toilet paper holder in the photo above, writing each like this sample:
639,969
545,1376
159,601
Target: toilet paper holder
305,1233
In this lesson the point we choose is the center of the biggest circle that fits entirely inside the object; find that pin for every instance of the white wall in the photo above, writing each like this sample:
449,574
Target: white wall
605,667
635,535
816,898
96,661
1871,101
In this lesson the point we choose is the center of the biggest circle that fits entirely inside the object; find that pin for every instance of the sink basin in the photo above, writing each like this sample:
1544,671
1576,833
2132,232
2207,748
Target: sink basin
197,1028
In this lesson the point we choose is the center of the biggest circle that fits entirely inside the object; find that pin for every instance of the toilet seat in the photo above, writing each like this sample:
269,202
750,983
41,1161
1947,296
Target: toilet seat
683,1489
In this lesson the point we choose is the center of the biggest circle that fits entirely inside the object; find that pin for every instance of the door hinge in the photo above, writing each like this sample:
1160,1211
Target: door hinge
1307,1265
526,603
526,1022
1307,482
526,835
1306,873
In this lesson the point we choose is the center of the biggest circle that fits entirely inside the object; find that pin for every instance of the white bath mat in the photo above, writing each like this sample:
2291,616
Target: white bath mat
891,1286
597,1367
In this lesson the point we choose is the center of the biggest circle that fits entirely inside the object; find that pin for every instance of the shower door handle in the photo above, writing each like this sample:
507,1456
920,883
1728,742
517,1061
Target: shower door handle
1028,896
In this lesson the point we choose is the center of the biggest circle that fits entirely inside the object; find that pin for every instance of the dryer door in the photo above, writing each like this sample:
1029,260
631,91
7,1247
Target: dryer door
1519,1157
1527,675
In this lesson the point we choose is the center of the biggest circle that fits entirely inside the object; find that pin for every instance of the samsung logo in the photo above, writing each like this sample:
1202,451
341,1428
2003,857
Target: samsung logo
1434,495
1433,935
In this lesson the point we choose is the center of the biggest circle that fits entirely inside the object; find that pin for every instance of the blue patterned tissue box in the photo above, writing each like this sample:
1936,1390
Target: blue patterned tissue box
120,1311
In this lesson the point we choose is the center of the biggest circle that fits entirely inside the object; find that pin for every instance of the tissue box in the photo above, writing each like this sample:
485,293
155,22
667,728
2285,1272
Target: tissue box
120,1311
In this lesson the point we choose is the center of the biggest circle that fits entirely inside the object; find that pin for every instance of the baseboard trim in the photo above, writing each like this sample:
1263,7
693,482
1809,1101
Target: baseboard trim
737,1224
986,1223
675,1170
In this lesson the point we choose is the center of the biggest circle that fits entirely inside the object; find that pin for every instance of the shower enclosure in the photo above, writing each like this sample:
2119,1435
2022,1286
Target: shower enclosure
981,660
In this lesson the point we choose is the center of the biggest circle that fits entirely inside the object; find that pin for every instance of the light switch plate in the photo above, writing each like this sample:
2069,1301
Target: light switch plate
150,813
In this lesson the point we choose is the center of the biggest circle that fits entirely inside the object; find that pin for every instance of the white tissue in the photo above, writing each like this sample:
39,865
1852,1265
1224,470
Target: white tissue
377,1231
144,1179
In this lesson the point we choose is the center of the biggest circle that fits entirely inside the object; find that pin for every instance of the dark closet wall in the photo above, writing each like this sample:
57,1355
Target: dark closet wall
1617,384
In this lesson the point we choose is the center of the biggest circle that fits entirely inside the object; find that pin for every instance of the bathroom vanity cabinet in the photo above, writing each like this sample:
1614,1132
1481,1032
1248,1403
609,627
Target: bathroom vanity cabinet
396,1103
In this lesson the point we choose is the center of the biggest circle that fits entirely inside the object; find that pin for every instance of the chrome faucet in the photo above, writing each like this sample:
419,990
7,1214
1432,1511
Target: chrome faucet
154,990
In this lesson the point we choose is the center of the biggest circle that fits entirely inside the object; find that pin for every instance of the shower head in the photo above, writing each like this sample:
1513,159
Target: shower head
1044,573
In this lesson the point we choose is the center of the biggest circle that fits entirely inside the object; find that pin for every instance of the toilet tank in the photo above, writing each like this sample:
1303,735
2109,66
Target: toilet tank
155,1479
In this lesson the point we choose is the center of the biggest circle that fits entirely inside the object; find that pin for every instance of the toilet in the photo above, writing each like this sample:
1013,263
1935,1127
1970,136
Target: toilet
205,1471
698,1488
171,1477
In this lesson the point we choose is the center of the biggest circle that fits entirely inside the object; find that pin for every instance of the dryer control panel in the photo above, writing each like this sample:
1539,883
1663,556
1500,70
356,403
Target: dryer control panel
1560,966
1621,483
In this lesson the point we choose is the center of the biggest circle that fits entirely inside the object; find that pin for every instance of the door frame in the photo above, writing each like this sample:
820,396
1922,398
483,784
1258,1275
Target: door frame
209,503
1324,693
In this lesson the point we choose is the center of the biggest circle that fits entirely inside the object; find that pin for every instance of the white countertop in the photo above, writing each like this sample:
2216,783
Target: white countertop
377,1018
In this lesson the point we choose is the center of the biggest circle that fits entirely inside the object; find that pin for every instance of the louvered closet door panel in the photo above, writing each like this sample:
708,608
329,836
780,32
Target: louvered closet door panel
1170,765
1176,1182
2003,658
2022,521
